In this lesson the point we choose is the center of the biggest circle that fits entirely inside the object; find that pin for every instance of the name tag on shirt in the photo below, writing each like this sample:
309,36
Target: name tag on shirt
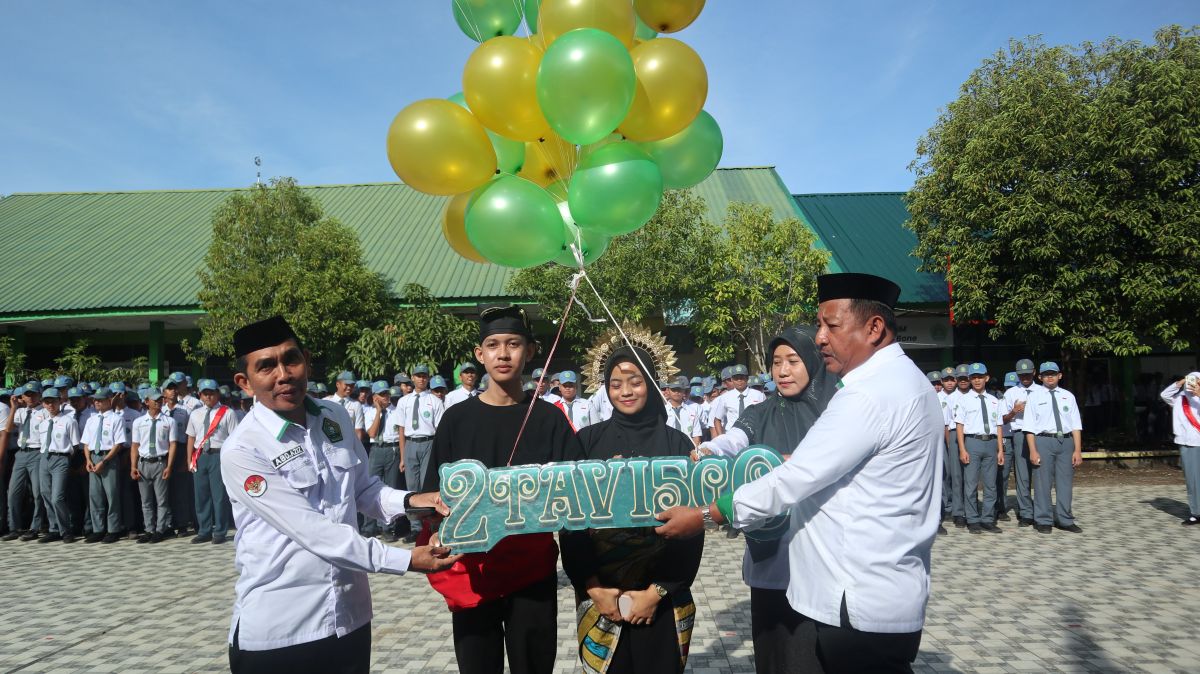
290,454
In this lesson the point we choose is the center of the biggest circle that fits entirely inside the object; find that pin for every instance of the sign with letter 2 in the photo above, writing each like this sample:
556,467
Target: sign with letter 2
488,504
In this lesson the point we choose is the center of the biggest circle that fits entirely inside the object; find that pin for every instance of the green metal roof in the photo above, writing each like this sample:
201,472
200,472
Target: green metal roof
137,252
865,232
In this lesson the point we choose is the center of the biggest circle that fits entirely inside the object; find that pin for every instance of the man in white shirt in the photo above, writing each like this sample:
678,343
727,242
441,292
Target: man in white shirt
59,434
207,429
1184,398
297,476
957,386
980,449
344,396
416,418
1054,432
730,404
468,375
383,461
863,484
1015,401
682,415
104,438
154,440
599,406
25,415
571,403
183,488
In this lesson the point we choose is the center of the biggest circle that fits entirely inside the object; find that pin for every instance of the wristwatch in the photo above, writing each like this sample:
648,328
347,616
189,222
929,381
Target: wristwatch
662,591
706,513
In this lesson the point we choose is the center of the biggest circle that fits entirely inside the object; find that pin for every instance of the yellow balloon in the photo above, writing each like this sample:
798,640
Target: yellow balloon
454,228
672,86
668,16
500,85
559,16
549,160
437,147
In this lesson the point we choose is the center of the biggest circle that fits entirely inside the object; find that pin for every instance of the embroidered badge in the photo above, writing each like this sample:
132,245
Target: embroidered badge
287,457
255,485
332,430
425,414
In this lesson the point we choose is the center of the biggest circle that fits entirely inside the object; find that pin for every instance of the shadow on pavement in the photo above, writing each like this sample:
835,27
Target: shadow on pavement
1084,647
1169,506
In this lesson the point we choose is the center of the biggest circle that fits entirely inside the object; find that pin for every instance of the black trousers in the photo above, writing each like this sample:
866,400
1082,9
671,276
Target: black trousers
784,641
524,623
842,648
350,654
653,648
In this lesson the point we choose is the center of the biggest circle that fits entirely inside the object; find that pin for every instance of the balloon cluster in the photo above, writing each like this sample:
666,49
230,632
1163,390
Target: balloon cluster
565,138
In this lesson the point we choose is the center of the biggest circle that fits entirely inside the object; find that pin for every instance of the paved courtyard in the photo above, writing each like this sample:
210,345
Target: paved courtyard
1121,597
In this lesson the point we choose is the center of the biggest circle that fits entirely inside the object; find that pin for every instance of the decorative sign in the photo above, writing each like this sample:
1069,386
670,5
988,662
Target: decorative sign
924,332
488,504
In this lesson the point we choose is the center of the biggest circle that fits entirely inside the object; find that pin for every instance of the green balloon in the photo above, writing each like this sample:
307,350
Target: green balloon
510,154
592,244
558,190
689,156
615,190
482,20
641,31
532,7
514,223
585,85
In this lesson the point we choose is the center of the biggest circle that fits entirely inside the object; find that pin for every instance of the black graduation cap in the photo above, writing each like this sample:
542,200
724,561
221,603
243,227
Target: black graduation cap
510,320
856,286
268,332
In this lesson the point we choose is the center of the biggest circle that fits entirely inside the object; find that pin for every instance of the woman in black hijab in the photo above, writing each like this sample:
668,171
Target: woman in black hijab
652,574
783,642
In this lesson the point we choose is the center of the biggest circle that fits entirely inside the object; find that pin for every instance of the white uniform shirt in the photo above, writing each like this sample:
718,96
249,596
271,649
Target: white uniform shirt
387,432
196,428
705,414
458,395
725,407
12,437
353,408
947,412
1039,417
26,432
429,414
1176,396
180,414
64,433
191,403
952,407
685,418
864,491
578,411
970,414
296,494
104,430
1014,395
165,432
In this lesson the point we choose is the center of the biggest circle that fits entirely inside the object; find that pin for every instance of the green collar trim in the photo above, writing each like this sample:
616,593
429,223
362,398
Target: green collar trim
310,406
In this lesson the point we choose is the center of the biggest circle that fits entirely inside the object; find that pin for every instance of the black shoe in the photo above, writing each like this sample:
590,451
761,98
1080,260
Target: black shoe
14,535
1024,522
390,537
202,539
1187,523
1043,528
50,538
145,538
942,530
169,533
960,521
111,538
158,536
93,538
991,528
29,536
1003,517
975,528
69,538
218,540
1073,528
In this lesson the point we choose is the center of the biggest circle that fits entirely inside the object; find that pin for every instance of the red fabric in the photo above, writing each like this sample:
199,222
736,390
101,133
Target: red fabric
515,563
1187,412
199,447
559,404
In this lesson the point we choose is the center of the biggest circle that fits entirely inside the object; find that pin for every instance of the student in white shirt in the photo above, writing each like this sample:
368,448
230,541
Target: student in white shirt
1054,432
468,375
154,439
344,396
1184,398
25,415
104,439
1016,399
383,461
863,484
733,402
59,435
682,414
576,407
417,417
980,443
208,427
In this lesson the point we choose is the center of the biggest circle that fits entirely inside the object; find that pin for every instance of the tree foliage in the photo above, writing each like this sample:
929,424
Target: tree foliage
274,251
418,332
80,365
1059,194
763,278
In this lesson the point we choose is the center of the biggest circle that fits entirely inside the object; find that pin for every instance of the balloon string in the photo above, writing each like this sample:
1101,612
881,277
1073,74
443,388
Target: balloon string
470,21
550,356
583,274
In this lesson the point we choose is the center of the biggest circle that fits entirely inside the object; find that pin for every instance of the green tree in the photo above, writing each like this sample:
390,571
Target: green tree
14,362
274,251
643,274
1058,194
138,370
80,365
418,332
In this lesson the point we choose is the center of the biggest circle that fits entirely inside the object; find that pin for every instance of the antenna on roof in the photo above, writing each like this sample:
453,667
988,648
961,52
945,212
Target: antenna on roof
258,172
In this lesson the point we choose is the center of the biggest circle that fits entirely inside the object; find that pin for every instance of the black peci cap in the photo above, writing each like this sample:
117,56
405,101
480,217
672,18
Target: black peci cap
510,320
269,332
857,287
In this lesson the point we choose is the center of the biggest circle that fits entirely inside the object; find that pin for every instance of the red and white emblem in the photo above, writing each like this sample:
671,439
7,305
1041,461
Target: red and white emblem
256,485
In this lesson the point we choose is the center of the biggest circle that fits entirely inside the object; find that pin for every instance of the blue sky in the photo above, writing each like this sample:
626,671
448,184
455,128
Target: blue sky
164,95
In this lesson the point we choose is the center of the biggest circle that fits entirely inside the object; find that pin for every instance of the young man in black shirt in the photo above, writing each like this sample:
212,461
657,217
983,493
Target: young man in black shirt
507,597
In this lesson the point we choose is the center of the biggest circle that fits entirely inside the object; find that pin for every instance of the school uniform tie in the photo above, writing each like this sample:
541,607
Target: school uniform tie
25,428
676,424
987,430
416,410
570,406
151,445
207,418
99,432
49,432
1057,418
741,403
